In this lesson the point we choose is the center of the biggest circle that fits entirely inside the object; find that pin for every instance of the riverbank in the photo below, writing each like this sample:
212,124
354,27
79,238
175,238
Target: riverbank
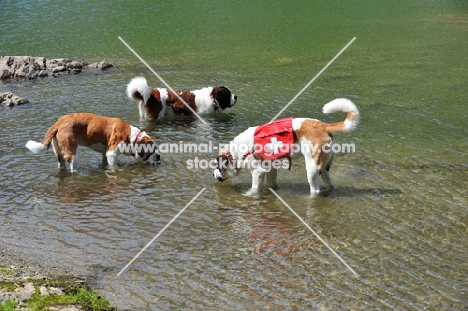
27,67
28,284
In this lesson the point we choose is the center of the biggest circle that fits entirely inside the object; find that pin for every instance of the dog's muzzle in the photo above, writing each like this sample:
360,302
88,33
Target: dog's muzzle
153,158
233,100
218,175
221,166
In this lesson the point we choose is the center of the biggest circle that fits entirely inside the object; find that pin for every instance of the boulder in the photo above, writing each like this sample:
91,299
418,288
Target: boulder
100,65
27,67
9,99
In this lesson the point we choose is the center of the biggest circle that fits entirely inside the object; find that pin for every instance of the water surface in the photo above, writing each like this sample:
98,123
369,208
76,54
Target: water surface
397,214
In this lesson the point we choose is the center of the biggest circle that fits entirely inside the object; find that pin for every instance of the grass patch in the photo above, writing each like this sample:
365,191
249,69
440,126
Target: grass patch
6,271
74,294
10,305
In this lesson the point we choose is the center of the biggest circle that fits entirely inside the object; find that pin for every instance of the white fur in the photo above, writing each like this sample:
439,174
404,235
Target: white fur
139,84
36,147
343,105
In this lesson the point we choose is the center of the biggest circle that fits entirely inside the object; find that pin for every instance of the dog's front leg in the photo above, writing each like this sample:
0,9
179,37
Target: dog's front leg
104,159
111,157
258,176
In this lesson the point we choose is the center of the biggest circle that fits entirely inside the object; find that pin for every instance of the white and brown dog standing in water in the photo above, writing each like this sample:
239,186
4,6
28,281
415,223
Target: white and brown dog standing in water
313,137
108,136
155,103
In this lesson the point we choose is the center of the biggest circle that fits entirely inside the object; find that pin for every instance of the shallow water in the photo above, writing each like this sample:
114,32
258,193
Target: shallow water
397,215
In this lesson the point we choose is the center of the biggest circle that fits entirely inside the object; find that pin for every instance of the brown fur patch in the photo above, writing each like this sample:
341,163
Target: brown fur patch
86,129
319,134
178,106
154,105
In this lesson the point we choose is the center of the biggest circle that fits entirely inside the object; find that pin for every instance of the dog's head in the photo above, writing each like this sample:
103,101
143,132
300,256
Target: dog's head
223,97
225,165
146,149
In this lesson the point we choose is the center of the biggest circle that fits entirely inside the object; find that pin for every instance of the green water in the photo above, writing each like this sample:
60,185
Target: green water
398,215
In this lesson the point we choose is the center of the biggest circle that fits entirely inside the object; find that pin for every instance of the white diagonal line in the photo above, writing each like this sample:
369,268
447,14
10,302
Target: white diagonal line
313,79
160,232
313,231
162,80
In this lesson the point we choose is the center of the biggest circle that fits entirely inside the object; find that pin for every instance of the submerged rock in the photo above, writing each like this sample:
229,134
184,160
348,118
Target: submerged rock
9,99
100,66
27,67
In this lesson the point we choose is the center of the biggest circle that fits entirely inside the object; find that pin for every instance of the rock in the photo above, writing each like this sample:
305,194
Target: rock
26,292
58,69
55,291
100,66
27,67
9,99
43,291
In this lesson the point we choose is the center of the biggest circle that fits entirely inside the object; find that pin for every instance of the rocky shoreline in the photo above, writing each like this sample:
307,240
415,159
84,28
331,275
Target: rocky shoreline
22,277
28,67
26,273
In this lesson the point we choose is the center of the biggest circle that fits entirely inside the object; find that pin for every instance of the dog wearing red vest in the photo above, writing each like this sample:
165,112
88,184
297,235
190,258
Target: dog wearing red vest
310,137
108,136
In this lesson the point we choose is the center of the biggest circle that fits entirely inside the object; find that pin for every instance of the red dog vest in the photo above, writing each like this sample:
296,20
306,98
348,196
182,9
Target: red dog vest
274,140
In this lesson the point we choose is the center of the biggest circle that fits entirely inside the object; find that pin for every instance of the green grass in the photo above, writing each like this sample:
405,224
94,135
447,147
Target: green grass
73,295
6,271
8,306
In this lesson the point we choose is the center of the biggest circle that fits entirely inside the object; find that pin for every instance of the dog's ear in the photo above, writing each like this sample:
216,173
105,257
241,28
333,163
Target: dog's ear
223,96
145,149
222,163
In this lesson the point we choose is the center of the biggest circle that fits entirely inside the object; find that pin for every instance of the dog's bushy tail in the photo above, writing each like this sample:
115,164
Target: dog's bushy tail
36,147
346,106
138,89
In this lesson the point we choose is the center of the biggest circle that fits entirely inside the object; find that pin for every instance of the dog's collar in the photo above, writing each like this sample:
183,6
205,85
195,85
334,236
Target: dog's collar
229,155
231,158
215,103
137,139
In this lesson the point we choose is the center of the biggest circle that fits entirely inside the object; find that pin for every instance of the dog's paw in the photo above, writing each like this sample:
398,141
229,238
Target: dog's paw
252,193
327,189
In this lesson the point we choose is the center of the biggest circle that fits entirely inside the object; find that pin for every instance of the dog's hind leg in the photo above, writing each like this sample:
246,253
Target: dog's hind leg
142,109
58,154
271,178
328,184
67,146
74,163
313,175
326,160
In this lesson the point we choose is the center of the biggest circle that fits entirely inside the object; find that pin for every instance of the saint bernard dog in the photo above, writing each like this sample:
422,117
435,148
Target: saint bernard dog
108,136
155,103
312,138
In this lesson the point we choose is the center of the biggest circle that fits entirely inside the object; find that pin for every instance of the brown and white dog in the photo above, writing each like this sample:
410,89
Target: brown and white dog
155,103
312,137
108,136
